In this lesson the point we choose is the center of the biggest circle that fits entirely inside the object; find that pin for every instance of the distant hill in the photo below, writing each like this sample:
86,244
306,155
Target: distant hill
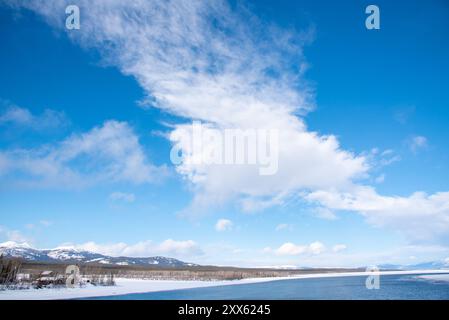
71,255
443,264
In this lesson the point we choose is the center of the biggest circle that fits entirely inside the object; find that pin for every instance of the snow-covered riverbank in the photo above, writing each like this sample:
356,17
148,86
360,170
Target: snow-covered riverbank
126,286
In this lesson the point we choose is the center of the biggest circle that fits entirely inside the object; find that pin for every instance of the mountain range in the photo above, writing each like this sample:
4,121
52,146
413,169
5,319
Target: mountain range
68,254
24,251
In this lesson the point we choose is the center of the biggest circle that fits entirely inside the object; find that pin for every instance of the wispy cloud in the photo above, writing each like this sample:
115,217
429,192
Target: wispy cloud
339,247
13,235
420,217
378,159
223,225
169,247
210,62
417,143
21,117
221,65
109,153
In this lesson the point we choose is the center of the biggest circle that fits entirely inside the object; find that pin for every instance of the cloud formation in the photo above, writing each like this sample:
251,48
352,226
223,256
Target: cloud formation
291,249
417,142
22,117
420,217
12,235
210,62
223,225
222,66
108,153
169,247
339,247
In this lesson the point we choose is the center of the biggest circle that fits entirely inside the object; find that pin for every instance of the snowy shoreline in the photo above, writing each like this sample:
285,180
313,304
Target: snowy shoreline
128,286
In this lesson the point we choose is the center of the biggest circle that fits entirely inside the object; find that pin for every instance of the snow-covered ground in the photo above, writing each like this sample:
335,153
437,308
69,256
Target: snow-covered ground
125,286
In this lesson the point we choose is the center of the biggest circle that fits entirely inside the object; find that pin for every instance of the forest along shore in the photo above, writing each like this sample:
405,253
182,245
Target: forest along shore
16,273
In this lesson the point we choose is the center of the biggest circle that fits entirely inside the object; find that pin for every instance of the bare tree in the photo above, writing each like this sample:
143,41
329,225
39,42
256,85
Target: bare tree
9,268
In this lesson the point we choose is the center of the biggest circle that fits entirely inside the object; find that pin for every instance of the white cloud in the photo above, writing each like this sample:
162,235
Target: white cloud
386,161
339,247
18,116
121,196
15,235
267,250
378,159
418,142
420,217
223,225
109,153
206,61
169,247
183,248
210,62
12,235
316,247
290,248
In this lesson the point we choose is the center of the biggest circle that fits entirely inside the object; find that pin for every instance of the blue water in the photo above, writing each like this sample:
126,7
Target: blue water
391,287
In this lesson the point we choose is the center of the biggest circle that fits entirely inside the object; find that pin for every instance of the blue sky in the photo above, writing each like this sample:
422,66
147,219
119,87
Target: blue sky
86,117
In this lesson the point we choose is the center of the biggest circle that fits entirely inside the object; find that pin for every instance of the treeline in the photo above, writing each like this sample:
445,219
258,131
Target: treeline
9,269
17,275
199,274
98,276
36,273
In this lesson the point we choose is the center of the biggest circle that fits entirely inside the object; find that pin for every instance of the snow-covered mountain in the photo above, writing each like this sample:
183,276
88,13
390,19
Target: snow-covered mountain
72,255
